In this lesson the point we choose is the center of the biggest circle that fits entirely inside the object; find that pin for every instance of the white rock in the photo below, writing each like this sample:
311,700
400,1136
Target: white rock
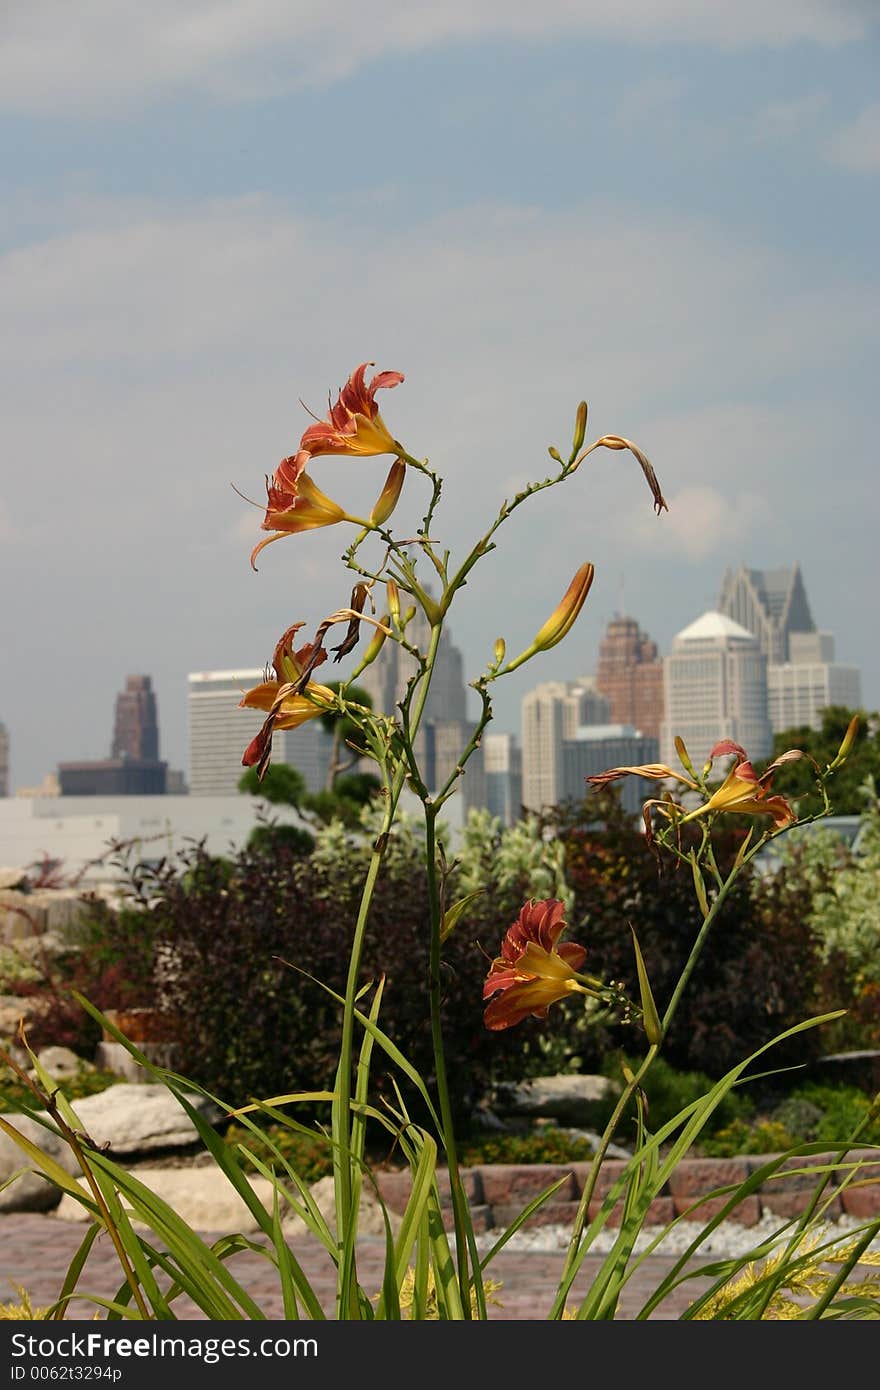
30,1191
133,1119
62,1062
203,1197
370,1219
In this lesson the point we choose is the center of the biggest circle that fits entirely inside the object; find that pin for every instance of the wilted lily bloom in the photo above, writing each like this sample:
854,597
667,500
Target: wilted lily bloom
746,793
286,707
532,971
742,791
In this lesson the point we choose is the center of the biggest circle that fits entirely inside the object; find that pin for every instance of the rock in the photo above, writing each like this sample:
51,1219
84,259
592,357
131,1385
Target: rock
12,1008
203,1197
31,1191
572,1100
62,1062
134,1119
370,1218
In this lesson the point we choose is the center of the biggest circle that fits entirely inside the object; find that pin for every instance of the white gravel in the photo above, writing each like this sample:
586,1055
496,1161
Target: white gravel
729,1238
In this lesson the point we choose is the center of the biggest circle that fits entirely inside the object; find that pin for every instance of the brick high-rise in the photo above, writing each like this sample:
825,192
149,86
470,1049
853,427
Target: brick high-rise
630,676
136,726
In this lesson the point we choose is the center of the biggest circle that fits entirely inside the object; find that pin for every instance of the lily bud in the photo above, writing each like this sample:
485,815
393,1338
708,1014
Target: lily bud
393,594
683,756
554,453
563,617
387,499
500,649
376,643
580,428
849,739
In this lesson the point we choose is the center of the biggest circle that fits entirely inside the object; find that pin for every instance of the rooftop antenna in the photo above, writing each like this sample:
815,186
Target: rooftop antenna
621,609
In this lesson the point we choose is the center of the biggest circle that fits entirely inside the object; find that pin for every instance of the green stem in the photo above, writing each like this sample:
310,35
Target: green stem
697,948
346,1296
459,1205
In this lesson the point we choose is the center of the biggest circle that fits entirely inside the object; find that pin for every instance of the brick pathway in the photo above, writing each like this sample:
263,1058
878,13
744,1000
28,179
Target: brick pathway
35,1251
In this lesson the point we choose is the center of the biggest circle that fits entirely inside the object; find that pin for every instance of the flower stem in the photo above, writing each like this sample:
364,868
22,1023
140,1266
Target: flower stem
459,1206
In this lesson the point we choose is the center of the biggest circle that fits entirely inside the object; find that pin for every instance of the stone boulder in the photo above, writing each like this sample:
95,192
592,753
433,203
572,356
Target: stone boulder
569,1100
62,1062
370,1218
201,1195
30,1191
129,1118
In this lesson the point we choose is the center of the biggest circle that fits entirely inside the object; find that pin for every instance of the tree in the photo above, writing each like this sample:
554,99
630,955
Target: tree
796,780
282,784
343,729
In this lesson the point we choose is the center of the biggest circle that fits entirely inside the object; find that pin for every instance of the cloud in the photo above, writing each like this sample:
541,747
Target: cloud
857,146
703,521
61,57
154,355
785,120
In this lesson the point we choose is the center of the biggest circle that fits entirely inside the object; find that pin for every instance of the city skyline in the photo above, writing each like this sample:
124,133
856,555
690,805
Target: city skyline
376,680
669,210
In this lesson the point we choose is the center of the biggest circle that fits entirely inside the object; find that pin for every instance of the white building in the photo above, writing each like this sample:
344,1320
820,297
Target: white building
80,831
502,763
715,687
800,688
219,732
551,713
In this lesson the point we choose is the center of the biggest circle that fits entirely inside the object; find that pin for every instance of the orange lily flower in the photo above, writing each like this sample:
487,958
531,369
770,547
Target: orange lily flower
532,972
352,426
307,508
288,513
287,708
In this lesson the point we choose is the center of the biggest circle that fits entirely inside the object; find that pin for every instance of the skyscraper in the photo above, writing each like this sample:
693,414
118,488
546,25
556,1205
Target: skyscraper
502,762
770,603
136,726
715,687
445,728
798,690
134,767
219,732
551,713
803,677
630,675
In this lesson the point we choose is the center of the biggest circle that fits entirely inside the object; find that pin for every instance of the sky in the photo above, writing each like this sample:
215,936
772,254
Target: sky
212,211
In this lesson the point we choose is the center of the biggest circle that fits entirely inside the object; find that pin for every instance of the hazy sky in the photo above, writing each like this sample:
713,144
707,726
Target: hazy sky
211,209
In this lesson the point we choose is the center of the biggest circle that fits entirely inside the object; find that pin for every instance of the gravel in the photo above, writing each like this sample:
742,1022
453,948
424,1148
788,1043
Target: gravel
730,1238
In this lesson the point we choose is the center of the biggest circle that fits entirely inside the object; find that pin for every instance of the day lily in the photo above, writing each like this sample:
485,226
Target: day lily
288,513
286,707
742,791
746,793
352,426
532,971
307,508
